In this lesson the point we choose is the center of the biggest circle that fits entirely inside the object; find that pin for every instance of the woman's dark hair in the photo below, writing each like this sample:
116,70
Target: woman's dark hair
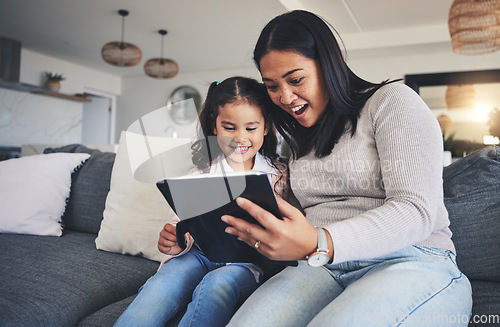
309,35
232,90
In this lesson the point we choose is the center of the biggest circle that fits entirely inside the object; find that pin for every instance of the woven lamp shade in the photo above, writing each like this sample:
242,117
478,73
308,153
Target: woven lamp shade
121,54
161,68
474,26
460,96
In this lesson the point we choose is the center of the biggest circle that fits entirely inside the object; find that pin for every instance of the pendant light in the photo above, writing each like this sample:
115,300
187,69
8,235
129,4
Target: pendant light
161,67
460,96
120,53
474,26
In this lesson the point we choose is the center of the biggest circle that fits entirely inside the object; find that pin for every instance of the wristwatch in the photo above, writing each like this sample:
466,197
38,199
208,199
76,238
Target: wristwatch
320,257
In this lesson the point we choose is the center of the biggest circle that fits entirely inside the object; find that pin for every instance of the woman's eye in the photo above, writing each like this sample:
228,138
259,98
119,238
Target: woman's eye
296,81
272,88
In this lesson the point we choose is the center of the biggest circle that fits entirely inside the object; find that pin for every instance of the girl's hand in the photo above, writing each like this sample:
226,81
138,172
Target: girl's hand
292,238
167,243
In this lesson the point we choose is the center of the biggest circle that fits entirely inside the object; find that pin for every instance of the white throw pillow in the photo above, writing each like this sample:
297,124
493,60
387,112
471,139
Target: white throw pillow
34,191
135,212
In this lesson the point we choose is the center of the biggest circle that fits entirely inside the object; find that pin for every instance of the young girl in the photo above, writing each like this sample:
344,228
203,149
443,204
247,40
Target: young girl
234,114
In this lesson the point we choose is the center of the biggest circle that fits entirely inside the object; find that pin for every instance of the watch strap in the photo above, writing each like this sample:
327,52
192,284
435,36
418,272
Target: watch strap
322,241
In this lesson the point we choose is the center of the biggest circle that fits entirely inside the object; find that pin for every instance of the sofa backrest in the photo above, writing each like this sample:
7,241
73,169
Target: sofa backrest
89,189
472,197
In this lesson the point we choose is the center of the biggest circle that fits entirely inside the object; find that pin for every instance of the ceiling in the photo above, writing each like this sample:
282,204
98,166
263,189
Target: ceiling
218,34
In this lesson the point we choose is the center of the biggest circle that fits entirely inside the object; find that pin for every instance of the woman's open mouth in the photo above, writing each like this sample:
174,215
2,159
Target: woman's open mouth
299,110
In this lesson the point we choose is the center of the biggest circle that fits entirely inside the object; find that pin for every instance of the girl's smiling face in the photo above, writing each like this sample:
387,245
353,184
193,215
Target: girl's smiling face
240,129
294,82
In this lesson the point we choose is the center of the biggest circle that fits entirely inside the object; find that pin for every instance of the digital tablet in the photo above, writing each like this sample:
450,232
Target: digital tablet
201,200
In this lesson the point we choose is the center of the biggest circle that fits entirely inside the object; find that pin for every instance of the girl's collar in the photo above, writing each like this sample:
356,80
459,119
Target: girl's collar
261,165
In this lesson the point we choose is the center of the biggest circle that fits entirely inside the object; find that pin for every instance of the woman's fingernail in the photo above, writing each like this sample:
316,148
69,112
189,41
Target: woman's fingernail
224,219
240,201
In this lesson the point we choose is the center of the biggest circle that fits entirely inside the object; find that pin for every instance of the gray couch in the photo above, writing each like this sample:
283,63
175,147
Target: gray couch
65,281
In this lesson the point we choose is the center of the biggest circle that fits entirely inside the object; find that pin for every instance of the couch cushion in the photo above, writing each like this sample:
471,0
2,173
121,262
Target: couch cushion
89,188
472,197
34,191
56,281
135,212
106,317
486,299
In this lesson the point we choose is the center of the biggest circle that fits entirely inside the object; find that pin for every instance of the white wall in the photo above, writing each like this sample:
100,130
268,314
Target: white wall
32,118
33,66
379,68
27,118
142,94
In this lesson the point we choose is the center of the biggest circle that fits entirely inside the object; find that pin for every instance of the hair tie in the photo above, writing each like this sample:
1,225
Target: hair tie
218,83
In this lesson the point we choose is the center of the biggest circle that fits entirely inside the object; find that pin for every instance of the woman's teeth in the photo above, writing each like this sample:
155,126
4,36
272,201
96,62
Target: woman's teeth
299,109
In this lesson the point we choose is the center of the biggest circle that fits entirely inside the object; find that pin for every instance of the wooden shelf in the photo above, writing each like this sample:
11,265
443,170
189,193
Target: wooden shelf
76,97
22,87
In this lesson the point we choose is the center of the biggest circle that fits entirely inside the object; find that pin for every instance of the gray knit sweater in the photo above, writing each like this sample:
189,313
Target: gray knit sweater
382,189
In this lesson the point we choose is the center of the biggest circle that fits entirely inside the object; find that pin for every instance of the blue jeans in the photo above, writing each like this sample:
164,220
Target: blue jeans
211,292
412,287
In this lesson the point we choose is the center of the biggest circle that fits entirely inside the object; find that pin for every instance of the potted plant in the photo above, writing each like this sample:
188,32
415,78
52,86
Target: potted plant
53,81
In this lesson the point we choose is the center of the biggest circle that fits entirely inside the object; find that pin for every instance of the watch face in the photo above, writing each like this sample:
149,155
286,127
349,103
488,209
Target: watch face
318,259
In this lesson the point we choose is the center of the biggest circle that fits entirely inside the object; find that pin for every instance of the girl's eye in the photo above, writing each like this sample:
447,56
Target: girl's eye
251,129
228,128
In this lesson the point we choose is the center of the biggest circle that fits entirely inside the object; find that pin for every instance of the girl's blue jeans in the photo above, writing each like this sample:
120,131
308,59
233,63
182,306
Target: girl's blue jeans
211,292
415,286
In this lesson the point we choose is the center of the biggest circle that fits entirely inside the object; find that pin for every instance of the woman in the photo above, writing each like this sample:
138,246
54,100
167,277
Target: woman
367,169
